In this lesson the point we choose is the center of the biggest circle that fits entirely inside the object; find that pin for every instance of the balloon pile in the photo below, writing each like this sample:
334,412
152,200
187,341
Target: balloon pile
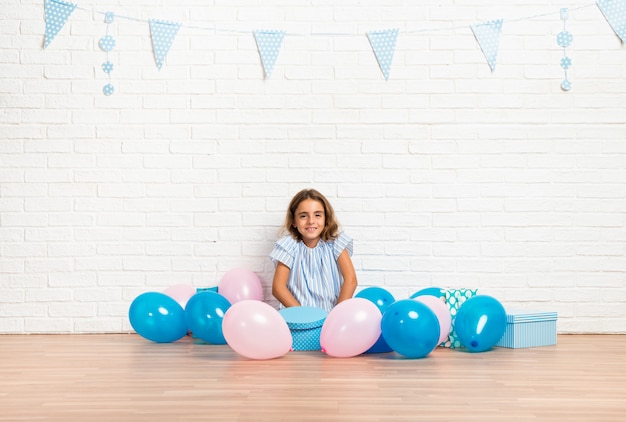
371,322
169,316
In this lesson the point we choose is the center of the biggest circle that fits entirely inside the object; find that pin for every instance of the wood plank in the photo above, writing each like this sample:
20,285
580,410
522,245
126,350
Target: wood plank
124,377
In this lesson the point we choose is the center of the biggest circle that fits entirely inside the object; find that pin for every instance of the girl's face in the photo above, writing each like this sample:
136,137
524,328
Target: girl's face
309,220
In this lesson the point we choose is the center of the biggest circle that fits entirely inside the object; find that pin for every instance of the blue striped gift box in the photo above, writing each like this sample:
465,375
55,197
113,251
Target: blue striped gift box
527,328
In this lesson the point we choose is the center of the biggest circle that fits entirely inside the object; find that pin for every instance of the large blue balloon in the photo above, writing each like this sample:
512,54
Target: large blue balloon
204,314
480,323
430,291
411,328
157,317
382,299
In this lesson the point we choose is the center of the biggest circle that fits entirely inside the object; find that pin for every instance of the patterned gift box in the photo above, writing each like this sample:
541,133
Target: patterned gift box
455,298
526,328
305,324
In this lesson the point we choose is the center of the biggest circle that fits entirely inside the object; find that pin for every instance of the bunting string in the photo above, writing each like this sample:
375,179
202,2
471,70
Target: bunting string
269,42
433,30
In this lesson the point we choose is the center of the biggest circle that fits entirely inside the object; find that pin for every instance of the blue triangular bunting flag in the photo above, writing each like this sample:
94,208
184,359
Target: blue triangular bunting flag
384,45
163,34
269,43
488,36
614,12
57,13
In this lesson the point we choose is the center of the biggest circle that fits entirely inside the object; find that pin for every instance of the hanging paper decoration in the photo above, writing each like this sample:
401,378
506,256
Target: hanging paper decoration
564,39
57,12
163,34
268,43
488,36
614,12
384,45
107,43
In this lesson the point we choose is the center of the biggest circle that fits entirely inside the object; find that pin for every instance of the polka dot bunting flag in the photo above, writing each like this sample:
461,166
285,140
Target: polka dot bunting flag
614,12
57,12
269,43
488,36
163,34
384,45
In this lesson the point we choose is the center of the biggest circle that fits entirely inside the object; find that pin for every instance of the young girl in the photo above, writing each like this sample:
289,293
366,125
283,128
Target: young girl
313,264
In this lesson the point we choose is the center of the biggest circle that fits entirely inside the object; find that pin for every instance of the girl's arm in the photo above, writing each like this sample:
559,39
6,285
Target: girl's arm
279,286
349,276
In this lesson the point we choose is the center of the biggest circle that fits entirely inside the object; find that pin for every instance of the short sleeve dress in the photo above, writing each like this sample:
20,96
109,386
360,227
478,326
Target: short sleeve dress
314,276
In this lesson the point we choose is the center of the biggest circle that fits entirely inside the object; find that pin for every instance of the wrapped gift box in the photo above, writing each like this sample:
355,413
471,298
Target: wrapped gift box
526,328
454,299
305,324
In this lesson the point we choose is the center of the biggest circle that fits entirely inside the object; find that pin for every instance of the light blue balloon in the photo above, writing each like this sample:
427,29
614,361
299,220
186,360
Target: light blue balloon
157,317
410,328
204,314
480,323
382,299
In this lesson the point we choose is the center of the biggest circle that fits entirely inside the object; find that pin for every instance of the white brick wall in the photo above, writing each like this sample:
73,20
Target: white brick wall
445,175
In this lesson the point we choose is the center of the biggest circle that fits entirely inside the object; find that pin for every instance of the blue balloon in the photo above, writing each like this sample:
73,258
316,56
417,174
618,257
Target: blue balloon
382,299
380,346
157,317
480,323
204,314
410,328
378,296
431,291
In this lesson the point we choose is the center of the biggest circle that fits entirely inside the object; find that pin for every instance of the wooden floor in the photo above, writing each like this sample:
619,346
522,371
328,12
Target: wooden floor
127,378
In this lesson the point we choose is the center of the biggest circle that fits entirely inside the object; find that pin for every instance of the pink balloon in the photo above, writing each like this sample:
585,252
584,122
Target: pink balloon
442,313
256,330
351,328
181,293
240,284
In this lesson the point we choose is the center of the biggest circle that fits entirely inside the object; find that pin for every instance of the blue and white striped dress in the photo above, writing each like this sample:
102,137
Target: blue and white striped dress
314,276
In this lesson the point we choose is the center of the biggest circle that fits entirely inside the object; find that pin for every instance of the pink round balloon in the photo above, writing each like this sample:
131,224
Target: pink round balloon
181,293
351,328
256,330
442,313
240,284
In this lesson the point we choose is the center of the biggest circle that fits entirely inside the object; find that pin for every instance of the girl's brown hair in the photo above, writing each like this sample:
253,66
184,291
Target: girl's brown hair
331,229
